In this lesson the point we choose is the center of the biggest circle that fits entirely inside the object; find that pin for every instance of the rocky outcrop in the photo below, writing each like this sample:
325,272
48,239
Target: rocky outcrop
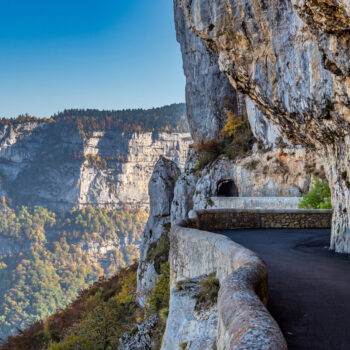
9,248
291,59
100,252
278,172
188,324
142,339
154,249
55,166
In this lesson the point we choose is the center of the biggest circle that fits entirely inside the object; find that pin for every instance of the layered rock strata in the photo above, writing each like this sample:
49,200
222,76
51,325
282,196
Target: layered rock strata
55,166
291,60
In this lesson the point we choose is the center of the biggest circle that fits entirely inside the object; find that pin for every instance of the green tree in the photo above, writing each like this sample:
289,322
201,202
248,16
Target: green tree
319,197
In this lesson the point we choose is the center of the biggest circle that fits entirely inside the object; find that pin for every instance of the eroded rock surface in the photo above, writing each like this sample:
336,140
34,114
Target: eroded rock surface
154,250
291,59
197,329
209,94
55,166
140,339
277,172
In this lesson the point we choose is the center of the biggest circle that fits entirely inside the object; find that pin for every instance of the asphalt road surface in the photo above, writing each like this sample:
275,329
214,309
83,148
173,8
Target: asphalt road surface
309,286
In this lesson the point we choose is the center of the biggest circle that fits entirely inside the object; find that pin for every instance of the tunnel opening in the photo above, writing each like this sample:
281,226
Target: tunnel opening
226,188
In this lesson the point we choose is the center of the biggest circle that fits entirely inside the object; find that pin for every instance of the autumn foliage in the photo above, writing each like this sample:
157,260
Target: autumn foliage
53,269
95,320
232,125
236,141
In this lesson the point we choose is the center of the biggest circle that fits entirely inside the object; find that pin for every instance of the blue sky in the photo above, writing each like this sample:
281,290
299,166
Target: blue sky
106,54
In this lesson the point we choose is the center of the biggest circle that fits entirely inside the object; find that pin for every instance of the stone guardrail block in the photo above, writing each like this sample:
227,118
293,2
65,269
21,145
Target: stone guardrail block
243,320
226,219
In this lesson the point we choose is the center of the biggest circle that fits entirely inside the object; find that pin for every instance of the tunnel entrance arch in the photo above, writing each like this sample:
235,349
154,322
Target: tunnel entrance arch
226,188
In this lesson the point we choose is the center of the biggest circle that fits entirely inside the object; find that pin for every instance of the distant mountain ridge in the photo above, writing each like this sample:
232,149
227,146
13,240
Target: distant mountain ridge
170,118
83,157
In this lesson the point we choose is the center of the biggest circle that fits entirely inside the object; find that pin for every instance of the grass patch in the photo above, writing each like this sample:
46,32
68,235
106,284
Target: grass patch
208,292
252,165
159,298
210,202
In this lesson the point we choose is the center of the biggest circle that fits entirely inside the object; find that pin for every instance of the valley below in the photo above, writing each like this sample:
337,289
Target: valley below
74,202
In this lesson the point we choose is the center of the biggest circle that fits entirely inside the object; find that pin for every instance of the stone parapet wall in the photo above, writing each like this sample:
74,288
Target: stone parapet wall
224,219
243,320
255,202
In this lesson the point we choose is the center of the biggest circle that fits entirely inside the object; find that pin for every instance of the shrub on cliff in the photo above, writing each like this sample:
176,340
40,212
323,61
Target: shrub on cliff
319,197
159,299
236,142
208,292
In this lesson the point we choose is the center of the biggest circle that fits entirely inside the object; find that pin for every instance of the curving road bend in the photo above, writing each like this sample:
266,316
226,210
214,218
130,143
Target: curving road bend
309,286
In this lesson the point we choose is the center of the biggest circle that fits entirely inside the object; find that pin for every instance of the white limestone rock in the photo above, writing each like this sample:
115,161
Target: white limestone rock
161,191
142,338
184,191
291,58
278,172
187,325
263,129
209,94
51,166
161,187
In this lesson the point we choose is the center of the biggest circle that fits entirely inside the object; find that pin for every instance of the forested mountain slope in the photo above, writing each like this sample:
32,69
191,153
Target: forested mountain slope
83,157
74,201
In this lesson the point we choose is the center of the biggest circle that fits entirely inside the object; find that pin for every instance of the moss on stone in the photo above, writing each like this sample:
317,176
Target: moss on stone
210,202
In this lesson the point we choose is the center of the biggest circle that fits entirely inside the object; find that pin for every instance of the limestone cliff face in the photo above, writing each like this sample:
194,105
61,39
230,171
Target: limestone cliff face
155,238
53,165
276,172
290,59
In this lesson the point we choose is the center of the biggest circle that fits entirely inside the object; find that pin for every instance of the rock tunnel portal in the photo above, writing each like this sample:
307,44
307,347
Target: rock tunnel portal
226,188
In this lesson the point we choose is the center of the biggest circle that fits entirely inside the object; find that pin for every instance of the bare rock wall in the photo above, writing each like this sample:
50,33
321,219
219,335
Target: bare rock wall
291,59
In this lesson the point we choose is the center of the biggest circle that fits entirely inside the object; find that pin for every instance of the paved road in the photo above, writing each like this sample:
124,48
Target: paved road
309,286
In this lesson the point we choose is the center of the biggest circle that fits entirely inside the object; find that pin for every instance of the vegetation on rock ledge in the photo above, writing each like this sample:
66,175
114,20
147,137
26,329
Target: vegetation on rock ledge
237,141
319,197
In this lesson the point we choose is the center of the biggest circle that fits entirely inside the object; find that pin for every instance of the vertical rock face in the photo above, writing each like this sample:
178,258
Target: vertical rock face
285,172
54,166
155,240
132,157
262,128
209,94
291,59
